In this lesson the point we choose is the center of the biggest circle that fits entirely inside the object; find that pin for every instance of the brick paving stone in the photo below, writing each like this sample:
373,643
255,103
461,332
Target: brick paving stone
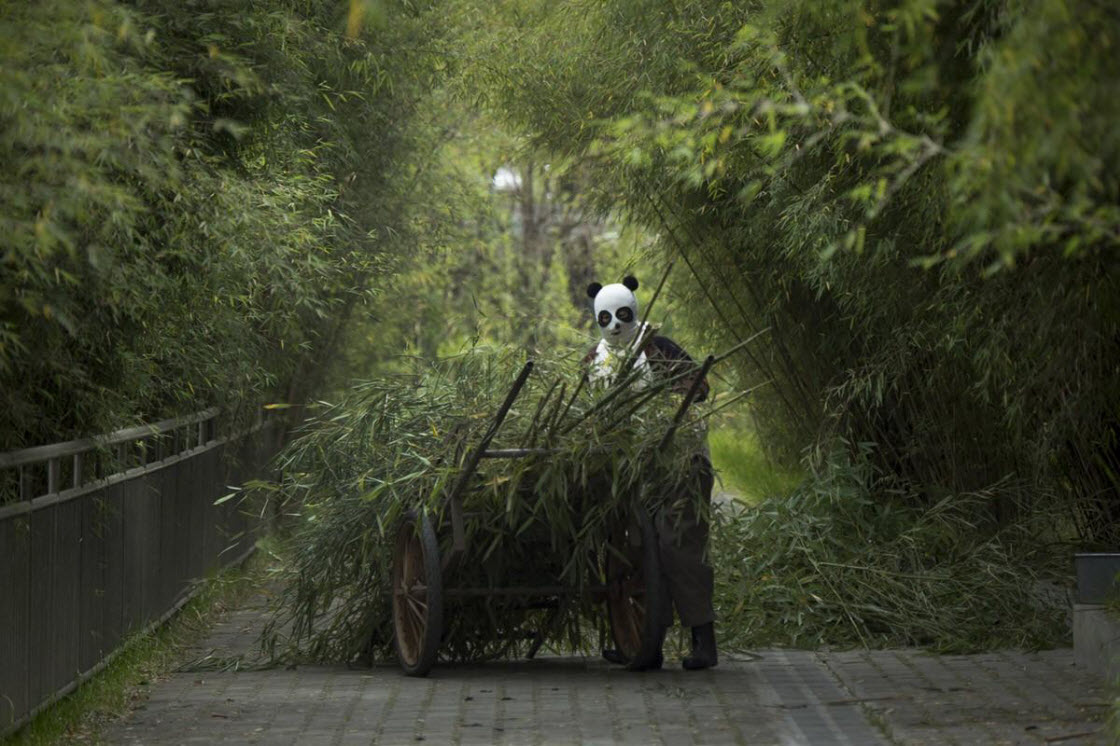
223,694
546,701
1002,697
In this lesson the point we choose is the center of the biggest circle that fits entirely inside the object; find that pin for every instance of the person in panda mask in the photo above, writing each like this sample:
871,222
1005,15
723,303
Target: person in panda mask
682,534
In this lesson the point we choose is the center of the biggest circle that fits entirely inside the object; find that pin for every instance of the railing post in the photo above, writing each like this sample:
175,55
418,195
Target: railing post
54,470
77,469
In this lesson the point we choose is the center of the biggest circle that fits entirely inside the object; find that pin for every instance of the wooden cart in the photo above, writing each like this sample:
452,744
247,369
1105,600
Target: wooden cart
630,583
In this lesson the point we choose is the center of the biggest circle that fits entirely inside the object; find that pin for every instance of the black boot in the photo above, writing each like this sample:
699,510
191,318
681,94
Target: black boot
703,648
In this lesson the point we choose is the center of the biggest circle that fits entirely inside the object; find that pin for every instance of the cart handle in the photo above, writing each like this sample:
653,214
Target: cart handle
458,532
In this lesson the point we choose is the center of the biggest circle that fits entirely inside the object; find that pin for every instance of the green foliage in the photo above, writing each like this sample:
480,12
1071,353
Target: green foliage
918,199
194,199
830,565
489,266
827,563
399,443
491,263
743,468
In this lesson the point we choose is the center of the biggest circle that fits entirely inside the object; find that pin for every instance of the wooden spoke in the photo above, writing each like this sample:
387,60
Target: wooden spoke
418,607
633,573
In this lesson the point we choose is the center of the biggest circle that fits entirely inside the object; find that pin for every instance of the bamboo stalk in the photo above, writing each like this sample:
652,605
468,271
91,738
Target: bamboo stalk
642,400
458,531
649,392
729,402
550,420
518,452
653,389
793,373
657,292
794,412
615,391
531,434
692,391
741,345
560,418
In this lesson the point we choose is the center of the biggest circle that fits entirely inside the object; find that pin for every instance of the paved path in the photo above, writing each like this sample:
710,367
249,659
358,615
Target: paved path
773,697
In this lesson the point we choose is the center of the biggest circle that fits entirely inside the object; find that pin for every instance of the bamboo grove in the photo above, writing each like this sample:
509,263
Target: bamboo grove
196,198
221,202
919,198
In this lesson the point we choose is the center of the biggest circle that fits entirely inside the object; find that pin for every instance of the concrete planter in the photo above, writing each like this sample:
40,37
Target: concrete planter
1096,633
1096,576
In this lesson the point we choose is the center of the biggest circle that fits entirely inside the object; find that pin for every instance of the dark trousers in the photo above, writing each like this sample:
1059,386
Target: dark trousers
682,534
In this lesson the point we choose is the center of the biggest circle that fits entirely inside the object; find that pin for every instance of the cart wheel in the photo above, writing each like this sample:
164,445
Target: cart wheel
634,595
417,595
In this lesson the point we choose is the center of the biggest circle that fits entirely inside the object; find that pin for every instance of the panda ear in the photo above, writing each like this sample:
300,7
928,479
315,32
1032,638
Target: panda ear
631,282
593,289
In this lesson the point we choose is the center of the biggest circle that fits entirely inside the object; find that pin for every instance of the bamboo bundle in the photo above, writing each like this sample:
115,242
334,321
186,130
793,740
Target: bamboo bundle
403,443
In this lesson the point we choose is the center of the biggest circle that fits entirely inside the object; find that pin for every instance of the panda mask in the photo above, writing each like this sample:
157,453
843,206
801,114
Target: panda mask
616,310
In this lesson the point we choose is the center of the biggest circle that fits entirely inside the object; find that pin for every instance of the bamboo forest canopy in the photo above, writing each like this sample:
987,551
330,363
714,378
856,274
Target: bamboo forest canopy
196,196
220,202
918,198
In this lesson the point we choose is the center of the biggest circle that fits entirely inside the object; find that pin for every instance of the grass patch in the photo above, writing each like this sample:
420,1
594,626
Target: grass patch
743,467
143,659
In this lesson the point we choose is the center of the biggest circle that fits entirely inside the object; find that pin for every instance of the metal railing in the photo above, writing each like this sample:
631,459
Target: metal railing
101,537
40,470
